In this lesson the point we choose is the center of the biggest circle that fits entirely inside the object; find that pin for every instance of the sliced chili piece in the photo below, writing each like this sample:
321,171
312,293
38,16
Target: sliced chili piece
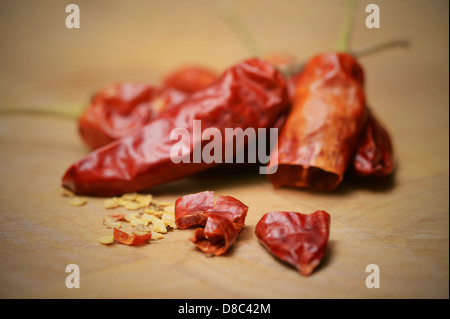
130,240
222,220
298,239
232,209
191,210
194,209
319,138
217,237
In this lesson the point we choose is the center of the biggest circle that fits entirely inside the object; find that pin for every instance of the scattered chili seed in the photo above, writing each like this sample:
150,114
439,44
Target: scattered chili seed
111,222
153,212
106,240
149,221
110,203
138,221
133,206
77,201
66,193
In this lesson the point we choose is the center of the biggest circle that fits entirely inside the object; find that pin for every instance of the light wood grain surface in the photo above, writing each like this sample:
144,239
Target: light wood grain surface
400,225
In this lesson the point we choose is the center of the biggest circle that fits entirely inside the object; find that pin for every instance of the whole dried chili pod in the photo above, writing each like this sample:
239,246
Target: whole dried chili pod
374,156
298,239
120,108
375,153
251,94
319,138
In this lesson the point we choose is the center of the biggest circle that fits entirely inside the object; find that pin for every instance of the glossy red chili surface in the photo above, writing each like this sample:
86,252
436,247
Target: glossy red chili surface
250,94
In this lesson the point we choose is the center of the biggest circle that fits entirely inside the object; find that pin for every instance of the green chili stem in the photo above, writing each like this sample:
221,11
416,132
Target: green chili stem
240,29
371,49
343,44
63,112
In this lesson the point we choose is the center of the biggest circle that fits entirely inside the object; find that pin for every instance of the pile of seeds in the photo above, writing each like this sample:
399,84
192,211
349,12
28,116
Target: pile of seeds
148,217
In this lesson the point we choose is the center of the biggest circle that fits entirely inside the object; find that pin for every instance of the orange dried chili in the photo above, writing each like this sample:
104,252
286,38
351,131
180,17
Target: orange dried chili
321,133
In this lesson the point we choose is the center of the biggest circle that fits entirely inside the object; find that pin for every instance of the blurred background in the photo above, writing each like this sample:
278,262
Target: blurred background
43,63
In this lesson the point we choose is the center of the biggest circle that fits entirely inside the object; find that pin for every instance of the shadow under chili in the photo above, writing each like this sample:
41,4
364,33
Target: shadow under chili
215,178
225,176
353,183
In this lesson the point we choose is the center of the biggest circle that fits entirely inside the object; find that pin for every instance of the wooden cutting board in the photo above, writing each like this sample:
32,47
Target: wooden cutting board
401,224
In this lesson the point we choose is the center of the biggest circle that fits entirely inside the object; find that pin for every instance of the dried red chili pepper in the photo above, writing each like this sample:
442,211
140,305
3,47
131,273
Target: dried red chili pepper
130,240
374,156
251,94
223,220
190,79
298,239
321,133
194,210
121,108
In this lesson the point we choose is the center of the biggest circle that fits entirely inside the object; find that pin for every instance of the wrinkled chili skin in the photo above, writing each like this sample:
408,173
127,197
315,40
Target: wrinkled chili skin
191,210
320,135
218,235
121,108
190,79
375,154
298,239
222,220
250,94
194,209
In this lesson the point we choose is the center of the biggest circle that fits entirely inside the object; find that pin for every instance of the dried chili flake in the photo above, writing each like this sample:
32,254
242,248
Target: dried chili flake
130,240
117,217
